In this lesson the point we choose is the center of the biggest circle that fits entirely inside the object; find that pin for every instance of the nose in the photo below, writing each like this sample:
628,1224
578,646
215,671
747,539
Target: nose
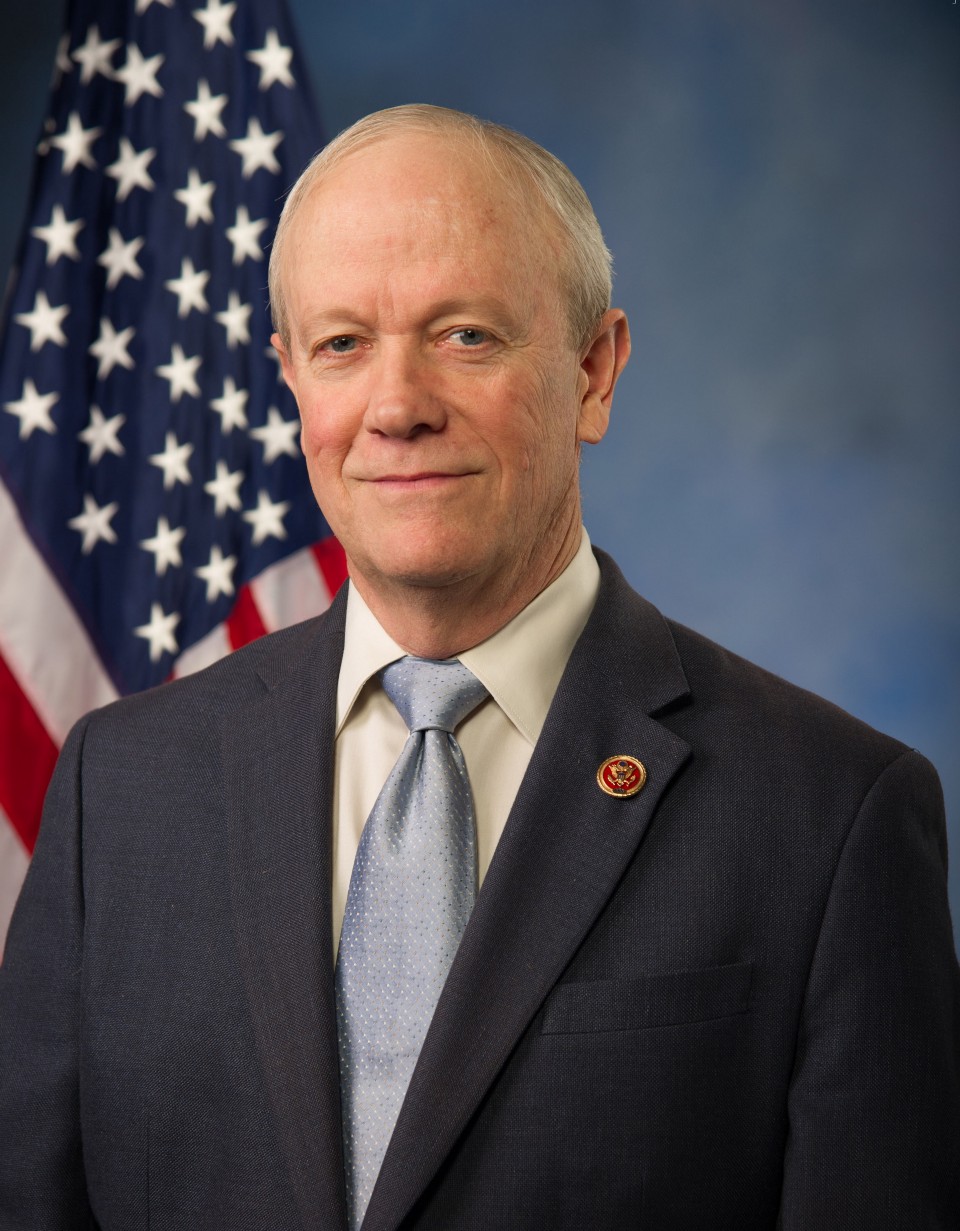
402,399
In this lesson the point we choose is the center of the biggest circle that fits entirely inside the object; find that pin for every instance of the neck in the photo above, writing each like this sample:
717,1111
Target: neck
443,621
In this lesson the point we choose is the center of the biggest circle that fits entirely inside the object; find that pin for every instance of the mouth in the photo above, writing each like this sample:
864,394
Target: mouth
422,481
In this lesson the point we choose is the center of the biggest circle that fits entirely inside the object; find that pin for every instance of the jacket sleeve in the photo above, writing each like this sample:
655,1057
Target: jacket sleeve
41,1160
874,1106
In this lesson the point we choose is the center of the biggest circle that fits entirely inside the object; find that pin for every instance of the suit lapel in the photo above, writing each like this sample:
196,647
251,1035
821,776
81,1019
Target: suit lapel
279,787
564,849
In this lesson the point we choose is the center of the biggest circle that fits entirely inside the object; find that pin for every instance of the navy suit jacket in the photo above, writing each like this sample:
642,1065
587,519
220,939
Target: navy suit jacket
730,1001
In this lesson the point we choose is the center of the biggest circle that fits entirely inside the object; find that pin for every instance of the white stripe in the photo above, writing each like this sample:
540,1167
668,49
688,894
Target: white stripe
45,645
291,590
13,868
209,649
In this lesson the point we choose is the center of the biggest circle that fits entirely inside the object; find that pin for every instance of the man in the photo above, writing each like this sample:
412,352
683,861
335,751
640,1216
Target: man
708,980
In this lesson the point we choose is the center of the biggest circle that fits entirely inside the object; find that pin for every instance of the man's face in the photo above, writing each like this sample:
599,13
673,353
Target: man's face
442,401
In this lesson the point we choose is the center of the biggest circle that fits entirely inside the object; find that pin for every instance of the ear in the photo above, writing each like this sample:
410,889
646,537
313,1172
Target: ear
600,369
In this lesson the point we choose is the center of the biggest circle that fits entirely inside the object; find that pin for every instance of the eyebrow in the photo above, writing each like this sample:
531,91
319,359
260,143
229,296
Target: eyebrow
486,307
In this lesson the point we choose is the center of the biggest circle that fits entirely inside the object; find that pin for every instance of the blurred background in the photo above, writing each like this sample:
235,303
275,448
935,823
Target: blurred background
781,191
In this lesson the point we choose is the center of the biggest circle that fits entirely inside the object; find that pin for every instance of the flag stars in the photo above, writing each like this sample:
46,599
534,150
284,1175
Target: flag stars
44,322
102,435
189,290
215,19
231,406
119,258
225,489
94,524
143,5
267,518
257,149
236,320
33,410
273,60
196,198
75,142
165,546
205,111
218,574
173,461
95,56
60,236
130,169
139,76
159,631
244,235
278,436
181,372
110,349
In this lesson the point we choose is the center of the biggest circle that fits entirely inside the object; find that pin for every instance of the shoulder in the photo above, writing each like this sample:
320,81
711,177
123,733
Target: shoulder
228,688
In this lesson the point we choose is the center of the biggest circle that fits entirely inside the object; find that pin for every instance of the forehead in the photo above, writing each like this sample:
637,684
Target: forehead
421,198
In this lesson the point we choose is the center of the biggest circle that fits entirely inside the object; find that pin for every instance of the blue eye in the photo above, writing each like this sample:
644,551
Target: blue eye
470,337
341,345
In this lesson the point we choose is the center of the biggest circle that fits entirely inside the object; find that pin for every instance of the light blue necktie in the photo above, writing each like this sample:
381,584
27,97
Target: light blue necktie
413,886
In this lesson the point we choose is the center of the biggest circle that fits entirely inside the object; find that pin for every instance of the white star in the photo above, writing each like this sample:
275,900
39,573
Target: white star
273,60
143,5
205,110
94,56
267,518
60,236
196,197
278,436
139,76
173,462
94,524
33,410
100,435
218,574
75,142
130,169
111,348
245,236
43,145
225,489
215,19
188,289
236,320
44,322
165,546
181,372
231,406
119,258
256,149
159,632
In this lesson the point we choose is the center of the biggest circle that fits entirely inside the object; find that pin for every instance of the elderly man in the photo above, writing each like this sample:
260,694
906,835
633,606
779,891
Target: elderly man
491,898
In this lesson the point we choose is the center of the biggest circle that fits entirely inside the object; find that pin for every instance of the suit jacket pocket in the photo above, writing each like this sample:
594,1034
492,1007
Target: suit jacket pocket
667,999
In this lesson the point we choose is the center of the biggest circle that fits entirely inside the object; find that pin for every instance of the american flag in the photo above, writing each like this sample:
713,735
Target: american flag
154,509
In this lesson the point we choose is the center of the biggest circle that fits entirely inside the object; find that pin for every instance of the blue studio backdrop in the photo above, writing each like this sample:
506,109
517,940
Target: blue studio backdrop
780,187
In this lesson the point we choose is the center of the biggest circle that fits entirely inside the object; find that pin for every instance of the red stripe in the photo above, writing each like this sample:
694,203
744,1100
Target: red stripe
244,624
332,563
27,758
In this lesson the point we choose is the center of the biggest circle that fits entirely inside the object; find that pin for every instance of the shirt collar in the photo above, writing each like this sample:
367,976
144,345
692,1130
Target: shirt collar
520,665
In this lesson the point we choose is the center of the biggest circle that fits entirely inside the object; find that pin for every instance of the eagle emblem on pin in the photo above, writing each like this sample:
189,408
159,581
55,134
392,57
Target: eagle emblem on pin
621,776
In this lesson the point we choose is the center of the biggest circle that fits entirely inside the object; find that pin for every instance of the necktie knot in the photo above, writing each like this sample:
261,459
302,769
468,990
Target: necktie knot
431,694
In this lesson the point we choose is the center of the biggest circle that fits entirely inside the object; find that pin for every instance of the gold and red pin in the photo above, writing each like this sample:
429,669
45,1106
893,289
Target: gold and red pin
621,776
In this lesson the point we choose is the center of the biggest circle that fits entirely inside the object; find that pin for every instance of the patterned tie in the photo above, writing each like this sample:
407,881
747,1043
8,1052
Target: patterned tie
413,886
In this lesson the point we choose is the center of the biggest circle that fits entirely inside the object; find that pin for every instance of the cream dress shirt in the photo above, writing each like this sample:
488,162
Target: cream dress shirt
520,665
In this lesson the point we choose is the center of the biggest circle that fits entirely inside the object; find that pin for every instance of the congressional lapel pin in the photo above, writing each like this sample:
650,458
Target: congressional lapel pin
621,776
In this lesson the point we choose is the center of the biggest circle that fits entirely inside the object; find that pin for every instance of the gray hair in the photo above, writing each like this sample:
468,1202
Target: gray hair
586,272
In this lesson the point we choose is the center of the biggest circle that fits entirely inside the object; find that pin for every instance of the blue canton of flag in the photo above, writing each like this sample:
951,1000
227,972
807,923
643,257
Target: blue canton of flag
145,437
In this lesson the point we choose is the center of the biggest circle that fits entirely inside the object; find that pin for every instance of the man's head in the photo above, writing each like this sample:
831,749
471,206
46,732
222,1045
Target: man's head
537,180
445,373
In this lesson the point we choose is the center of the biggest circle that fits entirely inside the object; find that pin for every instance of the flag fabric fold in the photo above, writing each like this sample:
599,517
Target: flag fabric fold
154,508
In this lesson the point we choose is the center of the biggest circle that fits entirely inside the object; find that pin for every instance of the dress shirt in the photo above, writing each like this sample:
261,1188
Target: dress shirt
520,665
